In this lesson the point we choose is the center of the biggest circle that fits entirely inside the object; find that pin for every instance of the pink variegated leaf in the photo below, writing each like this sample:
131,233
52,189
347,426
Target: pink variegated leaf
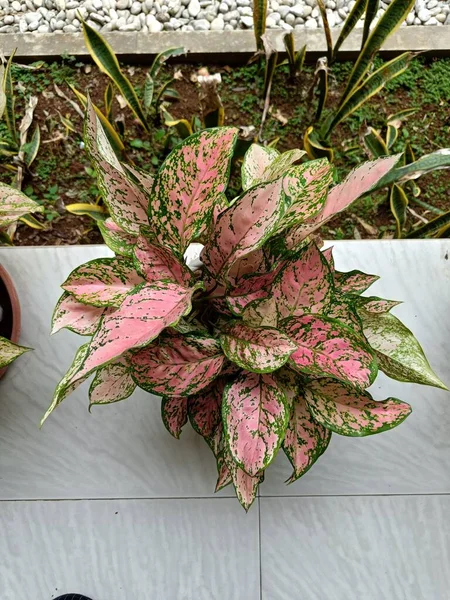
343,309
255,415
261,350
346,411
145,180
187,184
14,204
244,227
305,440
354,282
112,383
142,316
204,408
256,160
261,313
373,304
305,285
306,187
156,263
220,204
254,262
327,348
224,477
70,381
281,164
245,485
103,281
250,288
71,314
118,240
178,365
174,414
126,202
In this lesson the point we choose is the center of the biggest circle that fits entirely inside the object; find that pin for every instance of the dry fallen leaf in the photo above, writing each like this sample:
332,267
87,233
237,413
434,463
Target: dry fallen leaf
370,229
121,100
280,117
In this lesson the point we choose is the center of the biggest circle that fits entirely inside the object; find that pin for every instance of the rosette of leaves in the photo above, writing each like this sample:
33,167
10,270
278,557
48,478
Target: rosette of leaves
262,344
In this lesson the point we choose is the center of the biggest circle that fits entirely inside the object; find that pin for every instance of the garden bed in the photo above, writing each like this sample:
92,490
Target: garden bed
61,173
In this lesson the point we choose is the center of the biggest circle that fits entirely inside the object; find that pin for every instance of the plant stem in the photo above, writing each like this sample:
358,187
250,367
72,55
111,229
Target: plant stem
423,204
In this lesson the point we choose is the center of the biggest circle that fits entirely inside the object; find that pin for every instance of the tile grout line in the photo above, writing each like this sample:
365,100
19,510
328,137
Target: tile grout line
260,548
121,498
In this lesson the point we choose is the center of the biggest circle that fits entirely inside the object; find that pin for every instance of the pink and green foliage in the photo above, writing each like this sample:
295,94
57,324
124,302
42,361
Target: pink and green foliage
262,344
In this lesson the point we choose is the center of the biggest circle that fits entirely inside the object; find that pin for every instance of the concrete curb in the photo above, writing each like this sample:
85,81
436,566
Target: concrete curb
216,46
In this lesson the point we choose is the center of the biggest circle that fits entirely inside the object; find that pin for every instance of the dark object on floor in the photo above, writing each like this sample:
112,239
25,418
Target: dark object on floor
72,597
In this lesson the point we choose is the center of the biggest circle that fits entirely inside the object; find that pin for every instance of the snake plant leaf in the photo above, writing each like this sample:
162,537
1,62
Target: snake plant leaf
71,314
314,148
305,440
162,57
30,221
103,281
112,383
398,202
300,60
328,348
33,147
107,62
304,285
69,382
95,211
322,84
434,227
259,21
2,90
14,204
326,28
369,87
112,135
108,99
371,12
427,163
183,127
256,349
395,14
10,351
255,415
178,365
289,46
118,240
391,135
348,412
174,414
7,148
9,111
399,354
149,88
374,143
185,188
256,160
350,22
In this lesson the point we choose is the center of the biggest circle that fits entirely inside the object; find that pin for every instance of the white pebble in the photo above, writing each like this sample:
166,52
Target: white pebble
424,15
194,8
16,6
217,24
311,24
432,21
201,25
247,21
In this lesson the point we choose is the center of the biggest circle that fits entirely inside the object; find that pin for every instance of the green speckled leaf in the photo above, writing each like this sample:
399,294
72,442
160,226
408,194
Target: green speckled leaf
10,351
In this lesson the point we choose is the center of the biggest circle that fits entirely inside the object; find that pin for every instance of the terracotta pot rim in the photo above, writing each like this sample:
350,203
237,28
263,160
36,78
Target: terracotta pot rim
4,275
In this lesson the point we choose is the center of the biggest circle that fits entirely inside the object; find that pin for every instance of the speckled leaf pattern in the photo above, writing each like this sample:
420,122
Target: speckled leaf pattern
354,282
118,240
327,348
142,316
224,476
250,288
112,383
14,204
399,354
245,226
126,202
245,485
256,160
174,414
71,314
306,187
343,410
304,285
262,313
261,350
281,164
254,262
186,186
204,409
9,351
178,365
344,310
373,304
255,415
70,381
103,281
156,263
305,440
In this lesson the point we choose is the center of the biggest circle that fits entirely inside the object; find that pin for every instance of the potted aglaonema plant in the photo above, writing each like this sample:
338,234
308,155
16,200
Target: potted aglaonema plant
264,344
13,205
